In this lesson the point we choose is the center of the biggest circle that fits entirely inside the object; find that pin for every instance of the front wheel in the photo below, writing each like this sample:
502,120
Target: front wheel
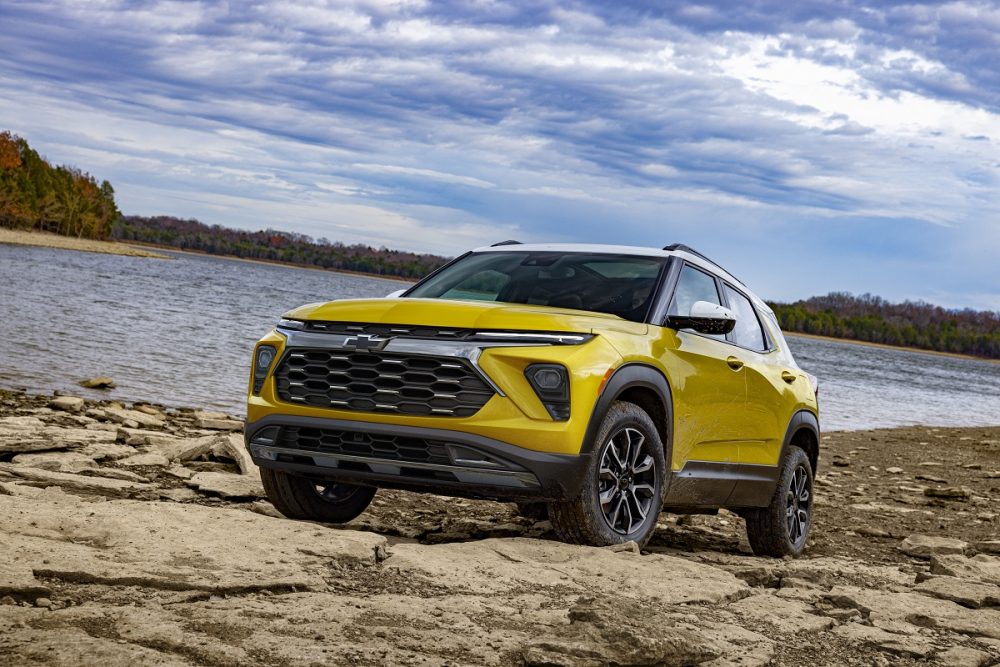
623,488
782,528
312,500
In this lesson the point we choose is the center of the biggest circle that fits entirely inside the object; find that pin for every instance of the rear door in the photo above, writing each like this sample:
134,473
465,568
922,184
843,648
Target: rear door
762,430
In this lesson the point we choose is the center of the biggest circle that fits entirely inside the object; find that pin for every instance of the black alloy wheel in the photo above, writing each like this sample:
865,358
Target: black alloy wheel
626,481
798,506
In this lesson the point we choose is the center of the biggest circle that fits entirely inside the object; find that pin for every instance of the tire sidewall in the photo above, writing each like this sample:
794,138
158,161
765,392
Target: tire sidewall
796,457
624,415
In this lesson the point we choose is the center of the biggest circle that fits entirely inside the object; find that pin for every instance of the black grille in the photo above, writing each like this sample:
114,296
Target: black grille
388,330
381,382
357,443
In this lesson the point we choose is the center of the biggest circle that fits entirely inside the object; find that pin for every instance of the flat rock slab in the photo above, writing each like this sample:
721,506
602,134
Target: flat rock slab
121,416
61,461
228,485
791,616
888,610
174,547
973,594
501,565
983,567
925,546
31,434
71,481
219,424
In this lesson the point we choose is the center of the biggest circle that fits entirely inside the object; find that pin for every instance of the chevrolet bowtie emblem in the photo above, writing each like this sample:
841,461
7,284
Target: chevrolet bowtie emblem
365,342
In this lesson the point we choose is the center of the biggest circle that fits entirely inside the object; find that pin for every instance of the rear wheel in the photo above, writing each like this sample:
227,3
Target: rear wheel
623,488
782,528
313,500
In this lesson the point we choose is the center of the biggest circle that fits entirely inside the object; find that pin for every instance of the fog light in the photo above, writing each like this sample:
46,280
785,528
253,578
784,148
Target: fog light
551,384
262,363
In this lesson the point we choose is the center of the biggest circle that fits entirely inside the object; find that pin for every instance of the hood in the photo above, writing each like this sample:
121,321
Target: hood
463,315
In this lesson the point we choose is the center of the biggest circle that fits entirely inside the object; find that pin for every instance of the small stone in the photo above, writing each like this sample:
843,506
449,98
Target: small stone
43,602
147,459
8,601
973,466
949,492
67,403
265,508
99,382
925,546
894,470
871,531
930,464
179,472
931,478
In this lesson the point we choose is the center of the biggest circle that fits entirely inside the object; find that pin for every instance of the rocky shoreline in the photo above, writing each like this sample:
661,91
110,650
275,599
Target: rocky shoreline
135,535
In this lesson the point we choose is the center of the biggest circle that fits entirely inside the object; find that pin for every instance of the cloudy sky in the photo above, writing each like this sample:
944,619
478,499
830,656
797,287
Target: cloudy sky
810,146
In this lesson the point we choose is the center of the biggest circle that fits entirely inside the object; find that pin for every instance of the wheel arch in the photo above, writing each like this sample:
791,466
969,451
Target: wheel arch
644,386
803,432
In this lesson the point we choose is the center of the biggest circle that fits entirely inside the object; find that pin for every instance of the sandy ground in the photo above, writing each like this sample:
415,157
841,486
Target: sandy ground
46,240
131,535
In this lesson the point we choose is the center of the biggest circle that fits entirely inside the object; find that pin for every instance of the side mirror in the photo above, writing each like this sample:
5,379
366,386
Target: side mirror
394,295
706,318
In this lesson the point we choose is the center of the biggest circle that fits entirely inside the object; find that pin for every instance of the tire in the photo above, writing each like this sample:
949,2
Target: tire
536,511
782,528
311,500
632,490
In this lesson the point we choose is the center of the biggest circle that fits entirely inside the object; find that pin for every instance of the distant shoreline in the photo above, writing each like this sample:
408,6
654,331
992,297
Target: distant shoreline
58,242
852,341
271,262
137,249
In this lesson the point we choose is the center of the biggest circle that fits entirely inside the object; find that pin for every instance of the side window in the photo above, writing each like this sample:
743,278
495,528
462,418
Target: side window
748,332
693,285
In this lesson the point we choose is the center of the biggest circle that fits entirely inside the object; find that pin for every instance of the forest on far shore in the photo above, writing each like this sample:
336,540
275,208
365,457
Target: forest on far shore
908,324
273,245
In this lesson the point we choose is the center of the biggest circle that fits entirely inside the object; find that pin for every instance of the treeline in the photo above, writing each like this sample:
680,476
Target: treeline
910,324
61,199
273,245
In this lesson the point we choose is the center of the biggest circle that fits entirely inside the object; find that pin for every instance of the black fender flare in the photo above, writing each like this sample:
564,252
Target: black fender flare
803,420
625,377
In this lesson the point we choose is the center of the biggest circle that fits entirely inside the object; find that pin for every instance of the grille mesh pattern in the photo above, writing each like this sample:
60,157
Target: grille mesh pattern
381,382
356,443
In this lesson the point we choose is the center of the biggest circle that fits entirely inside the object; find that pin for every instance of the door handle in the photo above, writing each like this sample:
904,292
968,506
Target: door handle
735,363
788,376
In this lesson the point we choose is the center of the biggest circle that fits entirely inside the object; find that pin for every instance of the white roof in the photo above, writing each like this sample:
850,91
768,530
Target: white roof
624,250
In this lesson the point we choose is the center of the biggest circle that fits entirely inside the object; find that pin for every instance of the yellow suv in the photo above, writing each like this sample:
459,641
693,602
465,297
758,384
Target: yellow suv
602,384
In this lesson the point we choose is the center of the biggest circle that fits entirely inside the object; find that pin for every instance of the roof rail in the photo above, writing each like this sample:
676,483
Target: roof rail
507,242
688,249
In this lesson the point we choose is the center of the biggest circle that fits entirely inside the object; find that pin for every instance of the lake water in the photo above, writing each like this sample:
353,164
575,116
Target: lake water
179,332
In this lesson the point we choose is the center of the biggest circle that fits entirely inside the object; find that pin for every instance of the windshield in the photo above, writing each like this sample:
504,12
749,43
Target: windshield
622,285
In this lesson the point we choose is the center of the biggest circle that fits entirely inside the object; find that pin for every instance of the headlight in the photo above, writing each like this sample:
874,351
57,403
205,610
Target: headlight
551,384
261,365
296,325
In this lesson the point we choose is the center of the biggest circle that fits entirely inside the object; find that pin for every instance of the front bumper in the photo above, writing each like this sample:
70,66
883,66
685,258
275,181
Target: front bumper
376,454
